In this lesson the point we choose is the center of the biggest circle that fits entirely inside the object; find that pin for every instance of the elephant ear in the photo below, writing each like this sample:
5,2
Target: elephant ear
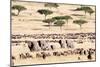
36,46
70,44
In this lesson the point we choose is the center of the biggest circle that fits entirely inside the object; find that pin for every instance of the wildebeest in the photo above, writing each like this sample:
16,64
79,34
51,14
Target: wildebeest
79,41
38,55
28,55
44,56
89,55
46,53
13,58
79,58
56,53
81,52
92,51
22,56
85,52
64,53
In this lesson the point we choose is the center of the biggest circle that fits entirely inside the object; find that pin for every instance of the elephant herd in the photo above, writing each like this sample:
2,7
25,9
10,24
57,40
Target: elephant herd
43,45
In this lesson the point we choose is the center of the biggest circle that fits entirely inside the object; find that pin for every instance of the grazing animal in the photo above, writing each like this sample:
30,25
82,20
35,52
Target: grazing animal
69,52
44,45
28,55
63,43
80,42
84,52
52,47
44,56
75,51
17,44
13,58
89,55
80,52
34,46
38,55
64,53
56,53
78,58
92,51
22,56
69,44
30,45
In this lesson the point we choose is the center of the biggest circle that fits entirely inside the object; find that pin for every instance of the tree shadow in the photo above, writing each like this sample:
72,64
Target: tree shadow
77,15
35,20
46,25
37,29
56,25
72,9
71,29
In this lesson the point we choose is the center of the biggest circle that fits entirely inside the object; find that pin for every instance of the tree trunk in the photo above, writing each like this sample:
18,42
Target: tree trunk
49,25
67,23
80,27
90,15
61,28
85,13
18,12
45,17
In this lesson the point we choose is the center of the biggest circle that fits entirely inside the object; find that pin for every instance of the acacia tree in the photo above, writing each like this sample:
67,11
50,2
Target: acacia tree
58,18
49,21
80,22
84,8
52,5
19,8
90,12
59,23
45,12
67,18
82,5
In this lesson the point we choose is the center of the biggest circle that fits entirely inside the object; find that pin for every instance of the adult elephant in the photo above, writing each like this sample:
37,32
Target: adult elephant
33,46
69,44
44,45
63,43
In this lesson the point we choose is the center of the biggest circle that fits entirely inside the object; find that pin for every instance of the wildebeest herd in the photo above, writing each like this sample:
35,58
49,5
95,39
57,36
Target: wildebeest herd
55,36
42,54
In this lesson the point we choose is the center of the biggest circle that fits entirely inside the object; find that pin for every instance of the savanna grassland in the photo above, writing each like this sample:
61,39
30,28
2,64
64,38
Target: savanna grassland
45,33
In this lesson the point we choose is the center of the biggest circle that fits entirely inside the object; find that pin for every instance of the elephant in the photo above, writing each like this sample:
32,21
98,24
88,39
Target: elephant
34,46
